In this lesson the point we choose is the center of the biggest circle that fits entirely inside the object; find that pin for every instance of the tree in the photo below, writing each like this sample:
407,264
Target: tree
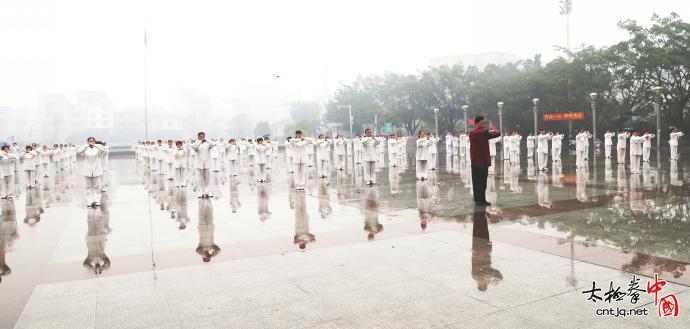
262,128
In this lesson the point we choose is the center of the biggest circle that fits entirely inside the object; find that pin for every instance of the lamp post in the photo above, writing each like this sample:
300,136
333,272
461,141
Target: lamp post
500,117
350,113
535,101
436,119
593,103
464,110
657,92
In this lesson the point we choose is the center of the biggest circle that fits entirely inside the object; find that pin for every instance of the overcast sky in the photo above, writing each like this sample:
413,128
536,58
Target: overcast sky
235,49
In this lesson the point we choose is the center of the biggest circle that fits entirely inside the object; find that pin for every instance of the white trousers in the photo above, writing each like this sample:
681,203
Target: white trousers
646,152
180,176
635,163
30,178
7,186
340,161
674,152
300,174
530,152
324,167
422,169
370,171
621,155
93,189
556,153
607,151
204,180
543,158
233,167
260,171
434,160
580,158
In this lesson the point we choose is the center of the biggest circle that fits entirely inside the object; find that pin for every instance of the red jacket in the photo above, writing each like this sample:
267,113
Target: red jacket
479,147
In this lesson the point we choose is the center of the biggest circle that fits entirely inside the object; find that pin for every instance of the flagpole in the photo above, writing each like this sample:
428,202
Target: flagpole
146,106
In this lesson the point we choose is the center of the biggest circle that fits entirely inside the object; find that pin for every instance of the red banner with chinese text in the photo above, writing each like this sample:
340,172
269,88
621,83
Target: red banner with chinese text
564,116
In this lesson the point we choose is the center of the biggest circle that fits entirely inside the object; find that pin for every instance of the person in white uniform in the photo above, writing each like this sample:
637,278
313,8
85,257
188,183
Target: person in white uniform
556,146
29,160
289,155
433,152
647,146
636,142
261,160
449,144
608,142
422,156
232,153
300,159
203,148
323,156
340,152
369,144
92,170
543,149
180,165
673,142
7,161
621,145
394,150
531,141
580,141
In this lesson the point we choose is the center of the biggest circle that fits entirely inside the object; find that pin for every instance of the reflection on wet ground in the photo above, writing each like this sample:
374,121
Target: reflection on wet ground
567,218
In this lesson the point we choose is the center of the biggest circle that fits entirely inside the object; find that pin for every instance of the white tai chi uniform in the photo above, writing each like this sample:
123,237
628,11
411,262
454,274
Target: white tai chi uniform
300,159
580,141
232,153
673,142
7,161
635,153
647,147
340,153
422,157
323,157
180,167
530,146
92,171
369,156
556,145
203,165
261,162
29,162
608,142
620,146
543,150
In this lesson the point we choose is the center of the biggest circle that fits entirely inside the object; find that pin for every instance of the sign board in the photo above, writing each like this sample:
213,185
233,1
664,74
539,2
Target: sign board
564,116
388,127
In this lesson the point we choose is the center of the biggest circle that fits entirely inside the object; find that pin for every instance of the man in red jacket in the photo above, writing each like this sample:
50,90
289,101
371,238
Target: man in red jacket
481,160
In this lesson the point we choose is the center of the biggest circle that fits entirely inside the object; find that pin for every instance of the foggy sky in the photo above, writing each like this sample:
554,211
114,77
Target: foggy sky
235,49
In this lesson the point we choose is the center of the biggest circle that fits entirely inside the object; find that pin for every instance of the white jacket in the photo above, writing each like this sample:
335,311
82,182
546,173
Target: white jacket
674,138
608,138
180,158
299,149
369,144
622,140
423,149
323,151
203,153
636,145
92,160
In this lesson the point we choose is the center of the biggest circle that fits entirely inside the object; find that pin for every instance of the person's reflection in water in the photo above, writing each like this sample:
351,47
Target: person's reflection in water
647,176
207,248
33,206
515,179
324,201
234,194
263,192
637,204
482,271
557,174
581,185
180,214
622,181
394,180
291,191
371,213
98,228
674,174
449,163
302,234
543,191
8,233
608,172
341,187
424,203
492,195
251,179
531,170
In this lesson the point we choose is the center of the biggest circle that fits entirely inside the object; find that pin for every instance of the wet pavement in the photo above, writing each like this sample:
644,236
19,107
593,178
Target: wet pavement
399,254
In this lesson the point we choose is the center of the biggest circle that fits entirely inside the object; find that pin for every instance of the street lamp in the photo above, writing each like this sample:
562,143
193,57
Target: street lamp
657,91
593,103
535,101
464,110
500,117
436,119
350,112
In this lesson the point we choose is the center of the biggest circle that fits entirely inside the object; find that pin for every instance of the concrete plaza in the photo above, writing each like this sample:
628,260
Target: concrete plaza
400,254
